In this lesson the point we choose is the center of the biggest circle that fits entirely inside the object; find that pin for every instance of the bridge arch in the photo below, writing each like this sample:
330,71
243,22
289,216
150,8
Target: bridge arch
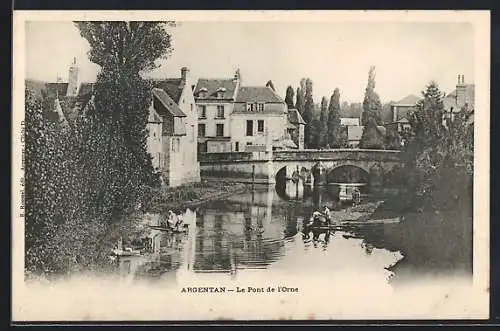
348,173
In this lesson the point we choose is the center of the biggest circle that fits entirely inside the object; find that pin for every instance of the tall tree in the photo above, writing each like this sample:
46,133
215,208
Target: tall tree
300,97
270,85
124,51
290,94
335,137
323,124
308,114
372,106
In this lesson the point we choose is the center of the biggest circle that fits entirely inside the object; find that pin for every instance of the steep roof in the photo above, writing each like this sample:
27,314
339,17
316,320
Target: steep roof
408,100
167,103
257,94
294,117
37,86
212,85
173,87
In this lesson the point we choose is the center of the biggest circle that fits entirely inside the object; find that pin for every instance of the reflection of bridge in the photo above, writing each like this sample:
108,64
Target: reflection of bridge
264,166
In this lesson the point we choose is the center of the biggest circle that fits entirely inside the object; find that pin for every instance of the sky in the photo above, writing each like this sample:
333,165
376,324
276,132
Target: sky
406,55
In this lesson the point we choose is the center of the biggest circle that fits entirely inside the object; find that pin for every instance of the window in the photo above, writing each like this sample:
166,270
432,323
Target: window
237,146
201,130
219,130
249,128
220,111
203,112
255,107
260,125
249,143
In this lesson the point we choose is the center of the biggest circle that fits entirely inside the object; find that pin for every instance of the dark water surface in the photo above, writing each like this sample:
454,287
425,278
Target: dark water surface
261,230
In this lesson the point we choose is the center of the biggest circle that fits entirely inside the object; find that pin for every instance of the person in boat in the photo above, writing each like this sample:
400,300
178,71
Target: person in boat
356,196
179,224
172,220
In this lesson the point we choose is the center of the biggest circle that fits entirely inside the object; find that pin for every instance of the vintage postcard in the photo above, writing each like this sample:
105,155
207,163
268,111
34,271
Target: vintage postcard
250,165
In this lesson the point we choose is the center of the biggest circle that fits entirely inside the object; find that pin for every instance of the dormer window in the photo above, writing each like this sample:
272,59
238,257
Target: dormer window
220,92
255,107
203,93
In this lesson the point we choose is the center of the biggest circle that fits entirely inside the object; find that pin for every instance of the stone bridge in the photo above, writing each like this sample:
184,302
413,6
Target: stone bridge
310,165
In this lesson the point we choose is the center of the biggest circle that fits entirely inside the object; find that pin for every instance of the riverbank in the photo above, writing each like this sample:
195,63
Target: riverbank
433,241
191,195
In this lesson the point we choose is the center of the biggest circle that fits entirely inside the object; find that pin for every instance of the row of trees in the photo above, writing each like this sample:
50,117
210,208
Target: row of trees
86,182
323,127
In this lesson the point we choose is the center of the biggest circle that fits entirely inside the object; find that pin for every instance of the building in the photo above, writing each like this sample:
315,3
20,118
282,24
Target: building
173,130
232,117
354,133
295,127
215,100
462,97
70,98
401,112
349,121
259,118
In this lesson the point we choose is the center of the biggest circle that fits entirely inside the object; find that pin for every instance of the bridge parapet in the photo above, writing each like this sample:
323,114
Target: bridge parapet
232,157
337,154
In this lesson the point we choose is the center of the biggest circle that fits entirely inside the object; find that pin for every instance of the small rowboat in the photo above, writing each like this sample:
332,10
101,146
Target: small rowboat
164,229
347,223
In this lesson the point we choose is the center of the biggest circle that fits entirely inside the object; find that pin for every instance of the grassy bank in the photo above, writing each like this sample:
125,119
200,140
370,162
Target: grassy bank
191,195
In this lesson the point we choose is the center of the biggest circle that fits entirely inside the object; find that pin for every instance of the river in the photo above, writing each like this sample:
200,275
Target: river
252,242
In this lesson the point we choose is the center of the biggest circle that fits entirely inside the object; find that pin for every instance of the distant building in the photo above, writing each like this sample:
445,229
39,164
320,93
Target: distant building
462,97
172,125
70,99
354,134
401,112
349,121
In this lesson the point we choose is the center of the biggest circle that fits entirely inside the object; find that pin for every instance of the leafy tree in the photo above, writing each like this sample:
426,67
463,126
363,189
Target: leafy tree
372,106
372,137
124,50
323,124
84,183
308,114
335,137
300,96
439,156
290,94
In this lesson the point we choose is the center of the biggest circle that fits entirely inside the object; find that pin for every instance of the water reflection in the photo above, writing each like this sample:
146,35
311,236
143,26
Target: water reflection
262,230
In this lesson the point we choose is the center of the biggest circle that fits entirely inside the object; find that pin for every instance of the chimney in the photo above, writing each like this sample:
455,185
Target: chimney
458,81
237,75
184,74
73,79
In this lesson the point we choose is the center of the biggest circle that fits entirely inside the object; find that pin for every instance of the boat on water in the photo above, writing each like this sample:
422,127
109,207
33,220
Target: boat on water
125,252
182,229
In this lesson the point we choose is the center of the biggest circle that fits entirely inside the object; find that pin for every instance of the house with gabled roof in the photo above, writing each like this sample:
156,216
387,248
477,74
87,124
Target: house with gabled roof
235,118
259,118
463,97
70,99
401,112
172,127
215,100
